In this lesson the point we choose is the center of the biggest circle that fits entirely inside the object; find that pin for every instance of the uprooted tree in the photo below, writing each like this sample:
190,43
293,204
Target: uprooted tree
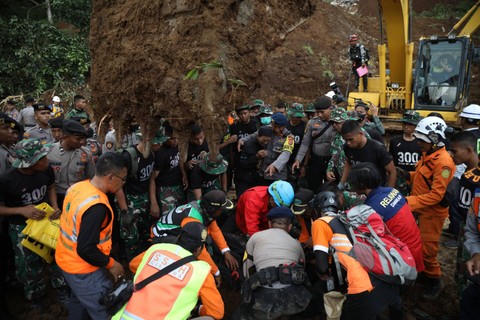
145,53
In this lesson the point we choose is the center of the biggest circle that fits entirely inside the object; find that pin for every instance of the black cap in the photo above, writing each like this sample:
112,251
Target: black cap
11,102
265,131
244,107
193,233
56,122
4,118
74,127
322,103
41,107
280,212
217,198
301,200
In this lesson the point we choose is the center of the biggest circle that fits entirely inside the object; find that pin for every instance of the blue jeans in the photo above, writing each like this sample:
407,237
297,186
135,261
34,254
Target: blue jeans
86,291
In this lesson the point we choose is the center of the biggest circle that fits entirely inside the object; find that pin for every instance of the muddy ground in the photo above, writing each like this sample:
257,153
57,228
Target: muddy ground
273,58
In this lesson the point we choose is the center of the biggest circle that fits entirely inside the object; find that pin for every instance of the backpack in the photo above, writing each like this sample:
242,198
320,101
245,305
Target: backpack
376,249
133,155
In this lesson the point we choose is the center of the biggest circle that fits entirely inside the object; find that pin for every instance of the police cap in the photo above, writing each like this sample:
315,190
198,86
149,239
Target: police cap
73,127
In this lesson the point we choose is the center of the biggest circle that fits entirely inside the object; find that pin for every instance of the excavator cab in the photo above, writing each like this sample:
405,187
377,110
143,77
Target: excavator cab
441,73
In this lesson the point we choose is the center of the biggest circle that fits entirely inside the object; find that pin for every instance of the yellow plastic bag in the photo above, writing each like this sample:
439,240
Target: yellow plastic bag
42,250
44,231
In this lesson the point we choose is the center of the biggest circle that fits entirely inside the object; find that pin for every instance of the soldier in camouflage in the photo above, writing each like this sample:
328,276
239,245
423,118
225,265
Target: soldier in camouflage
28,183
79,104
133,200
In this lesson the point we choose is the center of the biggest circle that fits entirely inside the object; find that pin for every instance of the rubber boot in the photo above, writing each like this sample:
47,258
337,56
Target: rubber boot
433,291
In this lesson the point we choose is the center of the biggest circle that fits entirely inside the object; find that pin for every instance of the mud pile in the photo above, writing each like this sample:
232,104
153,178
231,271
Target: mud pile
141,51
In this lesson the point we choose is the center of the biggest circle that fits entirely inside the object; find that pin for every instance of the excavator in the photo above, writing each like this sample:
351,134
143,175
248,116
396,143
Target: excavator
441,78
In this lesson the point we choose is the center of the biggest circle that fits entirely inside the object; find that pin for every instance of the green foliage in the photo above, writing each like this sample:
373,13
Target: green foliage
36,56
195,72
76,12
446,11
308,49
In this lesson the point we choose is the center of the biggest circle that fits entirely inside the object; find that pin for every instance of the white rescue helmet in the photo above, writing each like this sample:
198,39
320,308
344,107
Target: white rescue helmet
471,112
430,129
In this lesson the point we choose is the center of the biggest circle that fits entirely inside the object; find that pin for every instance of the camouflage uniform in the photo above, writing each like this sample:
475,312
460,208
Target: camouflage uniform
29,267
170,197
135,225
77,113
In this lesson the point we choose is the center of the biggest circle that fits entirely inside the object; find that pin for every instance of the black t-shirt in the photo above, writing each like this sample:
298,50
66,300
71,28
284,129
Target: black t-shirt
199,179
194,150
167,161
405,153
297,132
139,183
246,168
373,152
88,238
243,130
469,181
18,190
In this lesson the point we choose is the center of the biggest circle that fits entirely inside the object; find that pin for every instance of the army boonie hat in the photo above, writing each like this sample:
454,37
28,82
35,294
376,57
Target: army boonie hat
213,165
28,152
310,108
411,116
296,110
266,109
257,103
160,136
338,115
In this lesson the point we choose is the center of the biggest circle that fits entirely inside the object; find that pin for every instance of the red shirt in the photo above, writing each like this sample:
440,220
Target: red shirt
252,209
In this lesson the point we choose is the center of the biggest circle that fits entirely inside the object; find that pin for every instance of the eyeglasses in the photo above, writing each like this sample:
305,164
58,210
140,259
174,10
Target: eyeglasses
124,179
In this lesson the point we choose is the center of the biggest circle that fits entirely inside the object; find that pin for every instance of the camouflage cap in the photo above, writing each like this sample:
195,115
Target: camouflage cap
296,110
411,116
338,114
266,109
258,103
160,136
213,165
28,152
310,108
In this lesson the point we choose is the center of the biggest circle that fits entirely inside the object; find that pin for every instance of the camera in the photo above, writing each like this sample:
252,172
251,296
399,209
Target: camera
118,296
338,97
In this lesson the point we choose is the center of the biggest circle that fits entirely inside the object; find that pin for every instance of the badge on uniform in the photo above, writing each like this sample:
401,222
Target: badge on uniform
446,172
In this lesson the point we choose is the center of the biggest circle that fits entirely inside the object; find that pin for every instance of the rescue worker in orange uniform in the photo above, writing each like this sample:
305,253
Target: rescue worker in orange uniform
429,185
175,295
366,295
85,239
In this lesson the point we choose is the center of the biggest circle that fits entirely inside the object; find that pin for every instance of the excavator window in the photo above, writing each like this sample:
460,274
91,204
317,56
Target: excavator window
439,71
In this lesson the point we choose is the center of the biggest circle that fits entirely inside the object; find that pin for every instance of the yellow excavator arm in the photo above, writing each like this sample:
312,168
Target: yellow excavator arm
469,23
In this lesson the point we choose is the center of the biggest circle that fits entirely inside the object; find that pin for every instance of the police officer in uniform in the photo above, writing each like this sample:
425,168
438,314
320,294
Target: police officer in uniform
279,150
318,136
27,115
42,129
70,159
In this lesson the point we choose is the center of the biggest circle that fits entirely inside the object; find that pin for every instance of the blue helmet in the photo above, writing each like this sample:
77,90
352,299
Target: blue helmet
282,193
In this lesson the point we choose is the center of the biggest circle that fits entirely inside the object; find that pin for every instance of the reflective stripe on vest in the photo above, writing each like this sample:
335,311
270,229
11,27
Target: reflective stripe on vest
179,290
79,198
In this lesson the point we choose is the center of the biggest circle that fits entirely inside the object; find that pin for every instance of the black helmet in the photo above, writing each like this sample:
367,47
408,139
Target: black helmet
326,201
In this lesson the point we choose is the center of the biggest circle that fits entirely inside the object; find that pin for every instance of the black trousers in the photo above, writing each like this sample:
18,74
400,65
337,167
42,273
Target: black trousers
369,304
469,304
317,169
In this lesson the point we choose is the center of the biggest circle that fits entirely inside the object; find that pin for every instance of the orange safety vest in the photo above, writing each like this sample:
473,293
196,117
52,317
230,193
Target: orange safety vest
171,297
79,198
357,278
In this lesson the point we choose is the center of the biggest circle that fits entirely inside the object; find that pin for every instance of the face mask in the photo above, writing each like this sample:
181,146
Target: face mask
266,120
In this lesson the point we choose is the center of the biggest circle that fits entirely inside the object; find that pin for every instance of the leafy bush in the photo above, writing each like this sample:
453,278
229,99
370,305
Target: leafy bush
37,56
76,12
